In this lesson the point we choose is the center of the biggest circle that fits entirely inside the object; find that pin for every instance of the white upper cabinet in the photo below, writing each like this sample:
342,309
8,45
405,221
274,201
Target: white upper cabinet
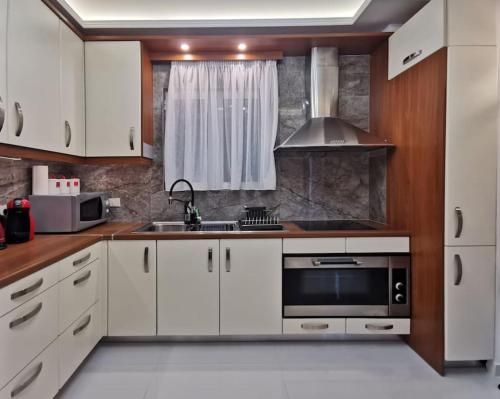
188,287
33,68
72,124
3,72
250,286
113,98
471,120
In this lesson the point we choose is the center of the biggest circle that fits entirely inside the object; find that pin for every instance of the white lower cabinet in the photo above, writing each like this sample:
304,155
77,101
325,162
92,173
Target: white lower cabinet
314,326
250,286
132,288
378,326
188,287
469,303
38,380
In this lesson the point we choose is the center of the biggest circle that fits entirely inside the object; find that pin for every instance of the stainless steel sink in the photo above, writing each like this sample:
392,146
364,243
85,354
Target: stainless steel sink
160,227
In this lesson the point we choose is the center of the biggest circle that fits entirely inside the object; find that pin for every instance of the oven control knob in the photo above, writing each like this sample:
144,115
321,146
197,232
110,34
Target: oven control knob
399,286
399,298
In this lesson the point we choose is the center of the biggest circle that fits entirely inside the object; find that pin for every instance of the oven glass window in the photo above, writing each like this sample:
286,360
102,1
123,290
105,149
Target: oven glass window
368,286
91,210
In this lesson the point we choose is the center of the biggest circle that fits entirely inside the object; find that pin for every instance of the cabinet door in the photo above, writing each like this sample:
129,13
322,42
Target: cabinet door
113,98
3,72
469,303
34,76
132,288
250,287
72,124
188,287
470,183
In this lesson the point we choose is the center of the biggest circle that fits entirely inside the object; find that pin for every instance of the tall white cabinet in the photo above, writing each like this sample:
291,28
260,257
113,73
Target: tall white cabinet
3,71
467,29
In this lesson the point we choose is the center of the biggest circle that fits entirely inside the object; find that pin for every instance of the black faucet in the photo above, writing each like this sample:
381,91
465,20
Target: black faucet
191,213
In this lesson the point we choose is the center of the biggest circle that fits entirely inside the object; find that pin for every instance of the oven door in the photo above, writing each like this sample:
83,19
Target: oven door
91,210
336,286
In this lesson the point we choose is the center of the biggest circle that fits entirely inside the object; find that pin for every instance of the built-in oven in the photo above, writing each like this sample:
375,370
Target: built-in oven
346,286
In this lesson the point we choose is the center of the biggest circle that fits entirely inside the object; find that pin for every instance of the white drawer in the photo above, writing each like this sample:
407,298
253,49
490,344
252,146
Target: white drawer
378,245
313,245
25,332
418,38
378,326
77,342
77,293
38,380
75,262
23,290
313,326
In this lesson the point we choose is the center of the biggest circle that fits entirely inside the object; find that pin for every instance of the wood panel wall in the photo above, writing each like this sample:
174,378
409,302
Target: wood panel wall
410,110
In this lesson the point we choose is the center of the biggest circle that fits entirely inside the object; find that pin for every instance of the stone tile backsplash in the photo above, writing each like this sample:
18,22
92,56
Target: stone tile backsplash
310,185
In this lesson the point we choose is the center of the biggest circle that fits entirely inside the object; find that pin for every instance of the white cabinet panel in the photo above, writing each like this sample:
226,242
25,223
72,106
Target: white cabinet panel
33,68
113,98
79,260
3,72
378,326
72,124
132,288
469,303
313,245
250,287
378,244
188,287
471,23
471,120
314,326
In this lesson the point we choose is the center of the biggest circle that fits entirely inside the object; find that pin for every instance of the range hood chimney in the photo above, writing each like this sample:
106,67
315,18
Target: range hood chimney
324,131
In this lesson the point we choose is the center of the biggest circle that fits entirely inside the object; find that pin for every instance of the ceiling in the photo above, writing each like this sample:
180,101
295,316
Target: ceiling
354,15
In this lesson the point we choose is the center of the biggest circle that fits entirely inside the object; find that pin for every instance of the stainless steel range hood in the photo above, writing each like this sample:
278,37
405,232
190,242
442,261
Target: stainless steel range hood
324,131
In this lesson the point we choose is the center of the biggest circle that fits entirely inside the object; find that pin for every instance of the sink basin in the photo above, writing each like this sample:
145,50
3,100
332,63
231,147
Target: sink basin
160,227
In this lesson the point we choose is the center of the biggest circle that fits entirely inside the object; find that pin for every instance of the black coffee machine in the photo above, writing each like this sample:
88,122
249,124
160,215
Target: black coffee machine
19,226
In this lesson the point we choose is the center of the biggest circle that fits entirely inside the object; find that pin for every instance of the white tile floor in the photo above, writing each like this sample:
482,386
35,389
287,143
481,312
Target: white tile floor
279,370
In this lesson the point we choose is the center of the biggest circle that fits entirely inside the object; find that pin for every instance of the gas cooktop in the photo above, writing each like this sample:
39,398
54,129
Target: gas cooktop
323,225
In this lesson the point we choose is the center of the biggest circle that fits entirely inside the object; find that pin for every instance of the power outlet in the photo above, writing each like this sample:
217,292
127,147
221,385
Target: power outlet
114,203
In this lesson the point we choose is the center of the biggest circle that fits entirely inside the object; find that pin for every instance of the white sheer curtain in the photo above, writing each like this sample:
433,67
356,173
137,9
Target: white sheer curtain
221,124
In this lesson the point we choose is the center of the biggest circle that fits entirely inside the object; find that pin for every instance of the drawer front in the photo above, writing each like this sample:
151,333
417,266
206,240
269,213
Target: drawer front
38,380
313,245
75,262
23,290
77,342
25,332
77,293
378,326
314,326
418,38
378,245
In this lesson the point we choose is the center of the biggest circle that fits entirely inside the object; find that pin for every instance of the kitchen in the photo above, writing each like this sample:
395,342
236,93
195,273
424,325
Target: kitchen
333,174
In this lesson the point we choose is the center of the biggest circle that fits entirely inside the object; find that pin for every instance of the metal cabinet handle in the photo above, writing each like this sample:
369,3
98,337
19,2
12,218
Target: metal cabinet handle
460,221
27,290
228,260
210,260
412,56
82,279
28,381
379,327
314,326
20,118
459,269
146,260
84,259
67,132
26,317
2,114
83,326
131,138
342,262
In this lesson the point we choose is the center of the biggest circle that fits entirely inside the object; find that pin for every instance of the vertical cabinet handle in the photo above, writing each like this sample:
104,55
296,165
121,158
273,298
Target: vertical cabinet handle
28,381
67,132
459,269
2,114
460,221
146,260
228,260
412,56
210,260
131,138
20,119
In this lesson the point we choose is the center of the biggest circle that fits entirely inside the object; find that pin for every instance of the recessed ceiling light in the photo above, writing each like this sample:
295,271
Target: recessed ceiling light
185,47
242,46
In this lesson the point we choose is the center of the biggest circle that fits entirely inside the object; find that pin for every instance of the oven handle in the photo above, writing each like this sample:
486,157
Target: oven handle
335,262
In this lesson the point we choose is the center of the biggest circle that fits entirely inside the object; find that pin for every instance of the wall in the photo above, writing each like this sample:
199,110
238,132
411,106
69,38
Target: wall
309,185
